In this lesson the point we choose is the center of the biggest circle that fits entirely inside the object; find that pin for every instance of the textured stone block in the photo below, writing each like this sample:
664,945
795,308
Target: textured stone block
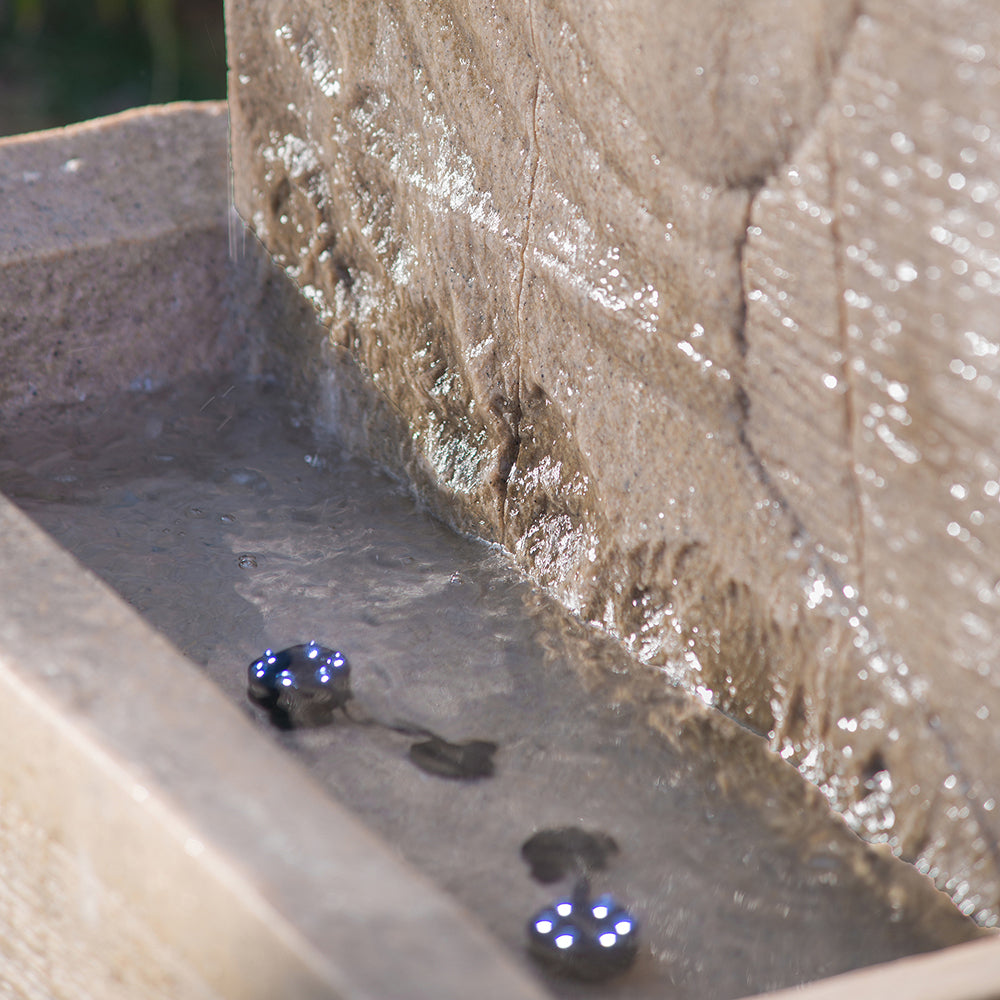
871,273
671,304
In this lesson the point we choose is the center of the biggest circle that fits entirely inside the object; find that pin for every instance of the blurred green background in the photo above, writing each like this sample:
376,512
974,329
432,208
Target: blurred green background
68,60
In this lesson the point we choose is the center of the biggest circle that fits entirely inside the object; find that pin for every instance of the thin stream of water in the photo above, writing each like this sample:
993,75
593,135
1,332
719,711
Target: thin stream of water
213,511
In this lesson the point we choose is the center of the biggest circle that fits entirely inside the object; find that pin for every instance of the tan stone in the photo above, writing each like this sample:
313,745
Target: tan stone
105,270
871,276
966,972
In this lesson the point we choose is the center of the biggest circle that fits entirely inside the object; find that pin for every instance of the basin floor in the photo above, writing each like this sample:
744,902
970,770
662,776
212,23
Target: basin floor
211,508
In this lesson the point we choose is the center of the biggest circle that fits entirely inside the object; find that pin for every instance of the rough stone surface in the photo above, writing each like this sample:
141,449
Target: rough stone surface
871,273
122,264
110,274
690,311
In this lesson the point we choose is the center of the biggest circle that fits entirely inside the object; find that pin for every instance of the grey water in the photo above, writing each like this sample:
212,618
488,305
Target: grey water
214,511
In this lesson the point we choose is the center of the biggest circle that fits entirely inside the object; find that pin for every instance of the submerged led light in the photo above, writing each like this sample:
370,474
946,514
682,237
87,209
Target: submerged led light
296,689
583,939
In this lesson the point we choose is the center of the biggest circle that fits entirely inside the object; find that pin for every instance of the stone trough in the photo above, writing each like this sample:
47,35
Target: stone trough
138,838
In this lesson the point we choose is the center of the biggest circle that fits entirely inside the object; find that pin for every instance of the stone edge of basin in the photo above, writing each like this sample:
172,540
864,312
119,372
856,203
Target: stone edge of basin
964,972
245,868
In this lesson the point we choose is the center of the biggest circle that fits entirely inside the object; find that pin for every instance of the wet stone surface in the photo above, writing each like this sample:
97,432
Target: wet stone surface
693,309
736,875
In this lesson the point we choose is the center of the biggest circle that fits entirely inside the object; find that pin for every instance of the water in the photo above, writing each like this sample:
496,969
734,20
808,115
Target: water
213,511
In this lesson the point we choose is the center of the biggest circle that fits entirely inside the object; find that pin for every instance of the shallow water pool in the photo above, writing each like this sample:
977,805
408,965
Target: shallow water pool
212,509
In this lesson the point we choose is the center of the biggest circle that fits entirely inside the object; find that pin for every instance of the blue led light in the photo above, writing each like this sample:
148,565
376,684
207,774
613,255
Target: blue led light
583,939
296,689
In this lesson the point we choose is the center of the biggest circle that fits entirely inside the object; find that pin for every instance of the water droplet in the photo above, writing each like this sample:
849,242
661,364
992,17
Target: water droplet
300,686
246,561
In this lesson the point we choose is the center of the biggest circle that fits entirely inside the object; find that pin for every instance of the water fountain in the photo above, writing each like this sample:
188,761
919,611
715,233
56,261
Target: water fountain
151,345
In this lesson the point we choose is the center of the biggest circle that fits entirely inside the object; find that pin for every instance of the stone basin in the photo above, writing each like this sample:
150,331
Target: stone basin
139,833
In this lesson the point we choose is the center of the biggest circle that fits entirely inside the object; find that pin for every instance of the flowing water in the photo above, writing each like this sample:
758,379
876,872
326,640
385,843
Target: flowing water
211,509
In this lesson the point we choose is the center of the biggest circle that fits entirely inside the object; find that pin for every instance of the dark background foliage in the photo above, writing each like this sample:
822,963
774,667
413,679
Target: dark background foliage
68,60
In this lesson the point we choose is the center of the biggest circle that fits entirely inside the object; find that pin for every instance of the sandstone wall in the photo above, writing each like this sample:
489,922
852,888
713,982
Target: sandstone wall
691,308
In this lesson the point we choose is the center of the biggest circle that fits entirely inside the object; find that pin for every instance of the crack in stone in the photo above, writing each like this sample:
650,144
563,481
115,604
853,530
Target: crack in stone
753,187
532,172
514,424
508,414
846,369
511,418
532,169
741,396
753,184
